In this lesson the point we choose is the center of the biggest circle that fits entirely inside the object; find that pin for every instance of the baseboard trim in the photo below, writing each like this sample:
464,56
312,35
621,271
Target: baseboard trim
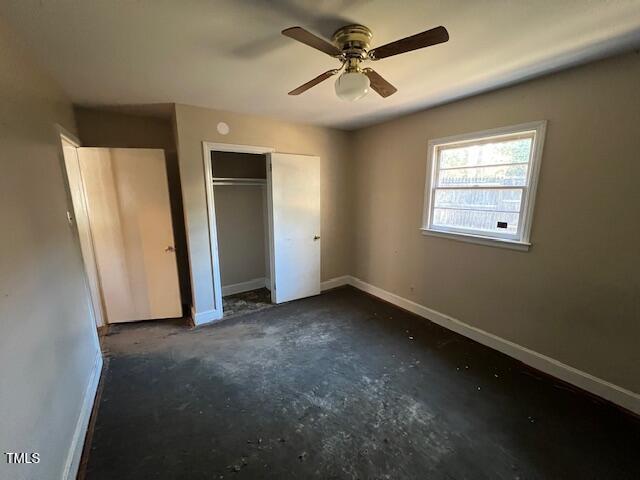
243,286
335,282
202,318
620,396
77,442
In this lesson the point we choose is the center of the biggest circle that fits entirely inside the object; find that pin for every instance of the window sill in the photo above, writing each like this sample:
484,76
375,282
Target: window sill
477,239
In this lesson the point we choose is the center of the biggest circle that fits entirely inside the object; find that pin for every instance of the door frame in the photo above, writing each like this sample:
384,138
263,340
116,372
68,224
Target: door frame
64,135
207,149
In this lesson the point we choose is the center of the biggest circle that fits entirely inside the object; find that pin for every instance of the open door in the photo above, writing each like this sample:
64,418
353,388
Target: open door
127,200
294,225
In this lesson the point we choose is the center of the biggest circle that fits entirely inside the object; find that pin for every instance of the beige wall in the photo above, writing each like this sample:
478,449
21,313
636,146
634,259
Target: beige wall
575,296
196,124
106,128
48,344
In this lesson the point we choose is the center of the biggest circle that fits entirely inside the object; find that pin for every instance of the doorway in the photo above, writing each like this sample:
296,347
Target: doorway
80,217
240,193
122,212
264,225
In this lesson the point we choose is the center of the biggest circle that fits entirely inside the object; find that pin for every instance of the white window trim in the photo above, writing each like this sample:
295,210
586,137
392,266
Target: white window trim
522,242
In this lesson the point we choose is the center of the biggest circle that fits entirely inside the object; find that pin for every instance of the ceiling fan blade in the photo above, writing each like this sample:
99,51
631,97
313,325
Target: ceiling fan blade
308,38
312,83
408,44
379,84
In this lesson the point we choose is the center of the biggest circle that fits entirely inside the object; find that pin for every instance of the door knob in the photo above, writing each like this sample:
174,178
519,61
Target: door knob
316,237
170,248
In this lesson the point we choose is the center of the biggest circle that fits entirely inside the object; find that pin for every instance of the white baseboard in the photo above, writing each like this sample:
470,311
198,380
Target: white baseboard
243,286
208,316
609,391
335,282
77,442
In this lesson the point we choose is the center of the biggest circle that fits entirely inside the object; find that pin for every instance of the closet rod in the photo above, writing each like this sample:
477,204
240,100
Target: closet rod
257,184
239,179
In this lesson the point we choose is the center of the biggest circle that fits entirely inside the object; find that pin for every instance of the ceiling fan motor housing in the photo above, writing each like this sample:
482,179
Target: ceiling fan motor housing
353,40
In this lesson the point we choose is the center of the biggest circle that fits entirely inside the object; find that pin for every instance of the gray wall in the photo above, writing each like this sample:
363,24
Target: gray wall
241,233
48,342
240,218
107,128
575,296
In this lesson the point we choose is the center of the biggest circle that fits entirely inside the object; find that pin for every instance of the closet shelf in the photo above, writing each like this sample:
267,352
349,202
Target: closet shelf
238,181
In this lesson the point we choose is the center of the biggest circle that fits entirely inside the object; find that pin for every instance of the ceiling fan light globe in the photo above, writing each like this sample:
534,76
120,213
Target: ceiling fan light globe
352,86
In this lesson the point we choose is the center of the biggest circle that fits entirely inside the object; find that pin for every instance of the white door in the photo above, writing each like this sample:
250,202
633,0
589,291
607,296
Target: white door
82,223
294,225
127,200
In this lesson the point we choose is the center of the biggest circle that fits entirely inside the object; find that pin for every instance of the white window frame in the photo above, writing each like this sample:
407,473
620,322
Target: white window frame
518,241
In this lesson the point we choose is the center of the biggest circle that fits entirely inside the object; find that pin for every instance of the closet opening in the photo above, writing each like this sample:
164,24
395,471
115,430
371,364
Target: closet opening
263,210
241,215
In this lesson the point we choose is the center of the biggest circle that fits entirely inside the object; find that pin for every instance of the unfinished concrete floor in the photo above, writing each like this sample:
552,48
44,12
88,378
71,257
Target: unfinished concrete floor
341,386
246,302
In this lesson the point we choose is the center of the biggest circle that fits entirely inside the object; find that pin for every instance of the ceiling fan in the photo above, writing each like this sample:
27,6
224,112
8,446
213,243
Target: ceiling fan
350,45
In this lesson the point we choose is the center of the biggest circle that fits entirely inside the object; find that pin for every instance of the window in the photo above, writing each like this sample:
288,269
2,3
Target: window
482,185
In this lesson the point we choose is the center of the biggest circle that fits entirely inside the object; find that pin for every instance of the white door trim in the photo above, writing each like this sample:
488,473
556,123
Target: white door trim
270,283
97,311
207,148
70,137
230,147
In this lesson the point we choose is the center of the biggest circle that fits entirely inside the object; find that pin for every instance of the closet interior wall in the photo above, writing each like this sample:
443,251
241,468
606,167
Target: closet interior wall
240,199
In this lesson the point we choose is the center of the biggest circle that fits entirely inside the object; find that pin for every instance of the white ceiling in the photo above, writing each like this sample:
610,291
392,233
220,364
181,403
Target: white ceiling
229,54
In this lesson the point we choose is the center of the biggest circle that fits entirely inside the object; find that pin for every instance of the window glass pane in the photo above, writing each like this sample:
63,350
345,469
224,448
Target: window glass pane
481,199
480,184
505,175
483,221
495,153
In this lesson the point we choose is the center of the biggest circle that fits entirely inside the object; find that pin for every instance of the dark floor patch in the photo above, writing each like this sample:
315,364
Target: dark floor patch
341,386
246,302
